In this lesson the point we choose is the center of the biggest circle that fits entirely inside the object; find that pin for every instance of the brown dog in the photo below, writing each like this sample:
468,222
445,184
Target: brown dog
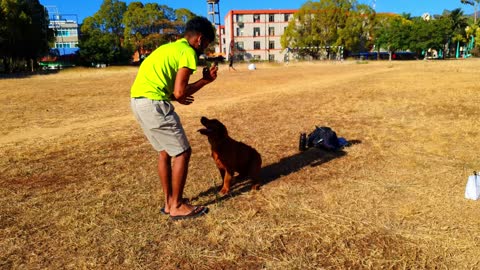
231,156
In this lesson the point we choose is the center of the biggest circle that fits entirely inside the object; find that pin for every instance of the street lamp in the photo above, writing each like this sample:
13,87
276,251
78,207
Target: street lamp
474,4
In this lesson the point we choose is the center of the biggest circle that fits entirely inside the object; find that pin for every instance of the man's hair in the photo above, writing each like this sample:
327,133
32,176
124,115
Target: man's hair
200,25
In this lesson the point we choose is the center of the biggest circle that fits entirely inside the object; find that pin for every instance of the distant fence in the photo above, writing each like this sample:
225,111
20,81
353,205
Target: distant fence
321,52
384,55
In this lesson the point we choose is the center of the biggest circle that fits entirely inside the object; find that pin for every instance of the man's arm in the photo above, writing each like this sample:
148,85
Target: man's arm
182,89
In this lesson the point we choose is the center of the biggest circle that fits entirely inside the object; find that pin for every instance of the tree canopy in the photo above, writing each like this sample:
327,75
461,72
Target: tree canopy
147,26
356,35
393,33
116,31
24,33
330,23
358,28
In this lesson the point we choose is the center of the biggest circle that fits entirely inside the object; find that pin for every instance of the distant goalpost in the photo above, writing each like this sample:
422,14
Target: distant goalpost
325,52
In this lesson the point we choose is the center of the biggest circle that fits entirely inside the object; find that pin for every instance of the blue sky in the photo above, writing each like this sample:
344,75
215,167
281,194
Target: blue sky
87,8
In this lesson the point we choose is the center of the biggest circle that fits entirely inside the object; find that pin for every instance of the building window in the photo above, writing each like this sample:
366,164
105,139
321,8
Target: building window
271,18
256,45
239,17
63,33
66,32
256,31
239,45
256,57
60,45
286,17
271,44
223,40
271,31
256,18
239,32
271,57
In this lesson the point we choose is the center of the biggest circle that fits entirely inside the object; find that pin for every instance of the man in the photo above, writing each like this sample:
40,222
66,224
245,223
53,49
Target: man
163,77
230,61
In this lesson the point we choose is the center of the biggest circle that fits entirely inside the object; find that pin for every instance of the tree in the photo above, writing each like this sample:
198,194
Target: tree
356,36
151,25
317,24
430,34
136,22
110,16
392,33
458,24
406,16
182,15
24,33
116,31
102,34
96,46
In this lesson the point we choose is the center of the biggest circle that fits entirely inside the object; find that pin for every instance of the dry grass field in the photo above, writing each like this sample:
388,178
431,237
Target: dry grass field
79,189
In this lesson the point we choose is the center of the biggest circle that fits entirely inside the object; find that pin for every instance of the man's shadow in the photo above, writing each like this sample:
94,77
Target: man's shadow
311,157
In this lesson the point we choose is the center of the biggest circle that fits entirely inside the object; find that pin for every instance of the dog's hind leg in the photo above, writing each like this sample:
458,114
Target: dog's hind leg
222,174
254,171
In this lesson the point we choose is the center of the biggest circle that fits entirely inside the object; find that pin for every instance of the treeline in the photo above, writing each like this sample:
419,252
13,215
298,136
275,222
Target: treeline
116,31
358,28
449,34
111,36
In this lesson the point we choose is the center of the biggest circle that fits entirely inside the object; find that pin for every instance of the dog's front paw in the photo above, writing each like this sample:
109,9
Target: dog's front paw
224,191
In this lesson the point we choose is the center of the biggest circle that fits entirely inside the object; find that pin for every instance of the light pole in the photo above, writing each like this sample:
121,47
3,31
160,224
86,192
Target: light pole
473,3
213,10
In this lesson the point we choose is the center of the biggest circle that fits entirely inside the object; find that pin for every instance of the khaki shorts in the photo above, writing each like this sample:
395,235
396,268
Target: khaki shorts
161,125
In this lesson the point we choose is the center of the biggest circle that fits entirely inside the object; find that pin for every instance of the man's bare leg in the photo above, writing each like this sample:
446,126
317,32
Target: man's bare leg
178,207
165,173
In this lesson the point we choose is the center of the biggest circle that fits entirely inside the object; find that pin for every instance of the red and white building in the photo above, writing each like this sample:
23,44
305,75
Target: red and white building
254,34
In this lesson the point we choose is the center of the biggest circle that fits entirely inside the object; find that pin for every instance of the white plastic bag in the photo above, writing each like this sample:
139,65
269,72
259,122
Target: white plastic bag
472,191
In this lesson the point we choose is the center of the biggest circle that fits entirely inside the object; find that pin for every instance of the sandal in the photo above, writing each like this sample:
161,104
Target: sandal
197,211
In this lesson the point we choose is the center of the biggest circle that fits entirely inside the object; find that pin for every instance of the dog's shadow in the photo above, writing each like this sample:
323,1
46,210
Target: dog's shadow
312,157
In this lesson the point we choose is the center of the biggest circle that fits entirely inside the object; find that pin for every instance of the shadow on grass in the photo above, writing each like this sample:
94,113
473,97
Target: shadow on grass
312,157
22,75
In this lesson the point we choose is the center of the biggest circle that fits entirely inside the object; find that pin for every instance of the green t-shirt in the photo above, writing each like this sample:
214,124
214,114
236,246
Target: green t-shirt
156,76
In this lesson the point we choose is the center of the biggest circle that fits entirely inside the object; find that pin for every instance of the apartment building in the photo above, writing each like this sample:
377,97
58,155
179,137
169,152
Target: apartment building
254,34
66,34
